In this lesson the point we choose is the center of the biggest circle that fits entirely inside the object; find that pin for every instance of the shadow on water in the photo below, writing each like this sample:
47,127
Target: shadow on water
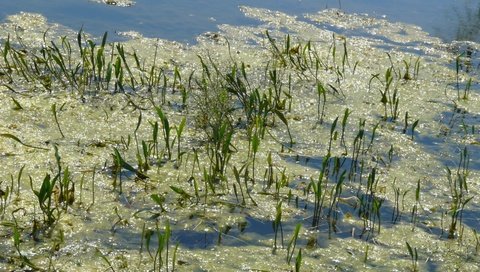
459,130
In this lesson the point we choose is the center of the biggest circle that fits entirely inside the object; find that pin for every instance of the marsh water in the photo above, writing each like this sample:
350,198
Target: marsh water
239,136
183,20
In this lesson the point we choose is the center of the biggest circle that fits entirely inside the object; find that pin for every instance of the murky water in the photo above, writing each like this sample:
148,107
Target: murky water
385,200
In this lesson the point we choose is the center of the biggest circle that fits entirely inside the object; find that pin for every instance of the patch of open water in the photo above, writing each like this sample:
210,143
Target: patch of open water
183,20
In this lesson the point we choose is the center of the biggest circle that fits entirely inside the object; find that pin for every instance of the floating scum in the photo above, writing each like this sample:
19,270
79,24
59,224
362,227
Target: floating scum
336,142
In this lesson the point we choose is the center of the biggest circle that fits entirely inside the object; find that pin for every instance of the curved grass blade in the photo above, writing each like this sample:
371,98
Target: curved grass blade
13,137
127,166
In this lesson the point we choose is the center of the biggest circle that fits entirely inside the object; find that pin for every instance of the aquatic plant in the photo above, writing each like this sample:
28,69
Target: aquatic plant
16,139
54,111
321,94
293,243
118,164
358,149
183,195
335,193
277,226
396,211
237,83
255,144
219,151
166,131
413,256
344,125
98,252
179,130
212,101
319,190
459,192
408,66
238,176
17,104
298,261
161,255
466,92
46,201
333,135
17,243
66,195
389,96
370,205
415,207
4,195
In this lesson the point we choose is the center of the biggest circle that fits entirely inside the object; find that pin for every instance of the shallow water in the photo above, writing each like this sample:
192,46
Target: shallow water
183,20
214,230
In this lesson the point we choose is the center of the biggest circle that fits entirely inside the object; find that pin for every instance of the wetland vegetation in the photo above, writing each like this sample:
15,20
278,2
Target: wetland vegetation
284,146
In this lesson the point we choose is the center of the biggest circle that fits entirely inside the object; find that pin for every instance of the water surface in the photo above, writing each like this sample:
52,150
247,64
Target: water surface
183,20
